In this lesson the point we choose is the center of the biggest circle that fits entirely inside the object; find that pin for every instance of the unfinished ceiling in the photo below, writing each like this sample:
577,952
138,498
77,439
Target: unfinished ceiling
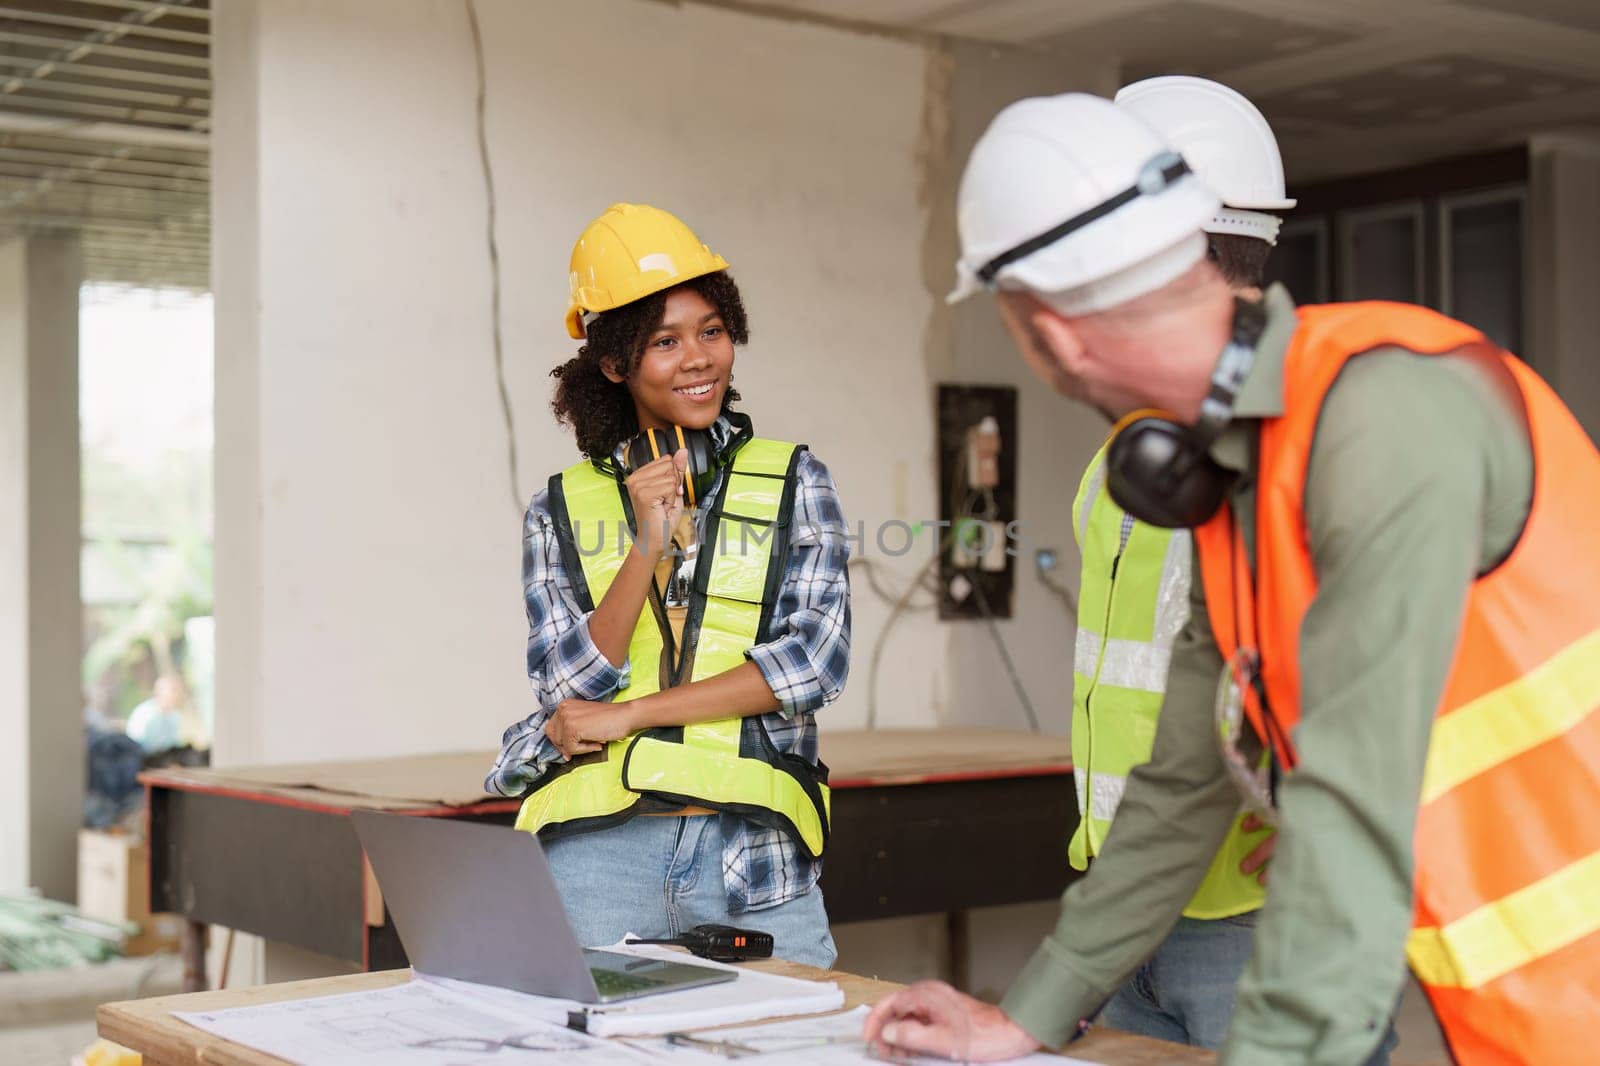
105,104
104,117
1349,85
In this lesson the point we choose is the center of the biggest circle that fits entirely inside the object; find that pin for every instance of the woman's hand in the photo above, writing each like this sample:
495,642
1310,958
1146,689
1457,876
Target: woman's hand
581,726
656,489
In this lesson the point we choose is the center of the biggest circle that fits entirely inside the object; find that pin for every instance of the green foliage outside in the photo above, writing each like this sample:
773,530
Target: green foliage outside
147,562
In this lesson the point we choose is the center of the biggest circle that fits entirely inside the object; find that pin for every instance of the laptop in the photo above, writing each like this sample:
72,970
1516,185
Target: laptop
478,903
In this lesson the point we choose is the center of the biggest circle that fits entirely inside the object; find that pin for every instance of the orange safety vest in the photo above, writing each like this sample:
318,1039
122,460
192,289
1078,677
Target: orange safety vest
1506,932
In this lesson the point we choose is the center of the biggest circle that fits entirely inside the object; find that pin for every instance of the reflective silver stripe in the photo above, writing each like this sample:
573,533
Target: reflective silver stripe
1143,665
1136,664
1085,652
1106,795
1080,778
1097,480
1172,602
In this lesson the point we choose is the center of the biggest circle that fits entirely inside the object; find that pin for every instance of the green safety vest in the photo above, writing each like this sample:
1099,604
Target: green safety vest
718,764
1132,602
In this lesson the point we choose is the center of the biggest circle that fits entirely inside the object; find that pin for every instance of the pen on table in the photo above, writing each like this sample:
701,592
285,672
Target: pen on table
725,1048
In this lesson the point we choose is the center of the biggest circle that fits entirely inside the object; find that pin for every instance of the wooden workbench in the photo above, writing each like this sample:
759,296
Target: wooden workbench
147,1025
924,821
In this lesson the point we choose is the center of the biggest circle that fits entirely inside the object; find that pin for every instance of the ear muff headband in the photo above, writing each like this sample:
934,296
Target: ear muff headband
652,444
688,473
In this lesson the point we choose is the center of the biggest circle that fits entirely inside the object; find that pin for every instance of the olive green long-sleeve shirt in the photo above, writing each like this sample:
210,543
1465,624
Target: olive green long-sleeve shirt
1421,476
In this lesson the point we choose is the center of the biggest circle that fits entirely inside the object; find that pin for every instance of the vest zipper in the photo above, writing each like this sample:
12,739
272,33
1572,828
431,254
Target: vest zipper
1094,683
705,557
664,669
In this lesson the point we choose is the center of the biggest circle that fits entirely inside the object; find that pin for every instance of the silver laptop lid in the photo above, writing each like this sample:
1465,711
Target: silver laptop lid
475,902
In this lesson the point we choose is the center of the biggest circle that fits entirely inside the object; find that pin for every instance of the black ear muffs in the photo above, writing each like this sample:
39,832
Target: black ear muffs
1156,473
698,476
1160,470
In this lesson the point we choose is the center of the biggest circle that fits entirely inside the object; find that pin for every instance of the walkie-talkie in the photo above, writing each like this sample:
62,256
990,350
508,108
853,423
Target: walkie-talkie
719,943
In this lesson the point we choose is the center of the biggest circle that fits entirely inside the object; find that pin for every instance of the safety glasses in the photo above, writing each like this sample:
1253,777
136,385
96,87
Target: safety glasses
1240,674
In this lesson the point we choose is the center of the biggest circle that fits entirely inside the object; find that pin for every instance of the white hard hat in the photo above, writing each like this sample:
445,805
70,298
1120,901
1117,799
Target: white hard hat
1076,200
1226,140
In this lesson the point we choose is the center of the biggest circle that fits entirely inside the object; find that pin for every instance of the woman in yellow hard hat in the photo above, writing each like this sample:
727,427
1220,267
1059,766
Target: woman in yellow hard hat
688,614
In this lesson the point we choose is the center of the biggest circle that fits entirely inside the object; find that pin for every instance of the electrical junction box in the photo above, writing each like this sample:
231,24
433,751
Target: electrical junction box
978,448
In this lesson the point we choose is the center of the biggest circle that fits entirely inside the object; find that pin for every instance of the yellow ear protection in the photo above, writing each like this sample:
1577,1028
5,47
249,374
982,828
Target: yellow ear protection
1158,469
701,472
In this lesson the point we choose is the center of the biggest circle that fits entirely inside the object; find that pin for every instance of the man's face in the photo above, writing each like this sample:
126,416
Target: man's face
1017,311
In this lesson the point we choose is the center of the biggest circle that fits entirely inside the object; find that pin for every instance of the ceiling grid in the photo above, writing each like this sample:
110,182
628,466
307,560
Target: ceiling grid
105,111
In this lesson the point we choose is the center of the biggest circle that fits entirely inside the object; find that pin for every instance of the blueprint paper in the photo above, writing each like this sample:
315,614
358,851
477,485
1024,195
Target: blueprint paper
416,1024
832,1040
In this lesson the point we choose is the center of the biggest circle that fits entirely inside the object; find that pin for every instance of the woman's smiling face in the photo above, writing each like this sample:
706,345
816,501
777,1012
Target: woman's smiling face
684,370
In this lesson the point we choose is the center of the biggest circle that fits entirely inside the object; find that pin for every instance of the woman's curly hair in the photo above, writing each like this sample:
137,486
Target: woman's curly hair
599,410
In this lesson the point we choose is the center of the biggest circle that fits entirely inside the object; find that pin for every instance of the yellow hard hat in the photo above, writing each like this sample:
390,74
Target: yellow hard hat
628,253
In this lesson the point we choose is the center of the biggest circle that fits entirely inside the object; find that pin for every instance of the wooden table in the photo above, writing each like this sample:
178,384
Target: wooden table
148,1027
923,822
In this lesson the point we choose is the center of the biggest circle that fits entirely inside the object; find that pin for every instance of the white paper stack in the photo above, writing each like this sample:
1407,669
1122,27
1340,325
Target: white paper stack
755,996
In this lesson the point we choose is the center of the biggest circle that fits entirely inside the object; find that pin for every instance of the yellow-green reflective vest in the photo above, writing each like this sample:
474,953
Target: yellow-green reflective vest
729,764
1132,602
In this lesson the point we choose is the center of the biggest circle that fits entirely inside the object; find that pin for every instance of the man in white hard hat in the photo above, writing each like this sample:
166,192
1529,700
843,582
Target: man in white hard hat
1229,145
1390,647
1133,601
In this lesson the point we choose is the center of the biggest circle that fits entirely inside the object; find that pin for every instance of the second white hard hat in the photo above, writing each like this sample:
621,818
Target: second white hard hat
1078,201
1225,139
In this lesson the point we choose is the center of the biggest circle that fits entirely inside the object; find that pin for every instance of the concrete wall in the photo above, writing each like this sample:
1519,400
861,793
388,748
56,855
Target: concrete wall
41,700
967,343
368,536
1563,261
368,539
967,84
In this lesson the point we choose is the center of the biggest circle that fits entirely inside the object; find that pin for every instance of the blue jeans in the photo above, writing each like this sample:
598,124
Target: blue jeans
1184,992
657,876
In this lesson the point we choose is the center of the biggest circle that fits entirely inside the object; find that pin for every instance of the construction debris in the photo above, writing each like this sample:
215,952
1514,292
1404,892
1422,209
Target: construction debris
41,934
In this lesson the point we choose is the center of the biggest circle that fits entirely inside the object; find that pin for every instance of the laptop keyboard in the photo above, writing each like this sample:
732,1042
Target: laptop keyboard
613,983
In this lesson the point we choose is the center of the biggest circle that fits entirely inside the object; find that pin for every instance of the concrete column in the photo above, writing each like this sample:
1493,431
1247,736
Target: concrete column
41,699
1563,260
236,283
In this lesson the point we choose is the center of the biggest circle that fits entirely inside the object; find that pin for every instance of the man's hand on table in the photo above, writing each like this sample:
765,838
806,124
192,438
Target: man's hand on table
931,1018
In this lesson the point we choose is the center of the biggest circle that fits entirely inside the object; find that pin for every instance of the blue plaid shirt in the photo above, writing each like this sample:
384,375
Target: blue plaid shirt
804,659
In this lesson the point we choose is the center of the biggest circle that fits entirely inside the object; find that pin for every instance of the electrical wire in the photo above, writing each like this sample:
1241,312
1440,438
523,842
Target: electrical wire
1061,592
494,257
895,611
901,604
1005,655
871,568
977,504
980,505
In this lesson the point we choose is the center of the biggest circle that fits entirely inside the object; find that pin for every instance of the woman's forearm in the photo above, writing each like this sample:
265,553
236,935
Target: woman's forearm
735,693
612,623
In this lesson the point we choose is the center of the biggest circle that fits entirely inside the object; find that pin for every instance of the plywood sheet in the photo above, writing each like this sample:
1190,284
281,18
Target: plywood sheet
908,756
408,782
856,757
